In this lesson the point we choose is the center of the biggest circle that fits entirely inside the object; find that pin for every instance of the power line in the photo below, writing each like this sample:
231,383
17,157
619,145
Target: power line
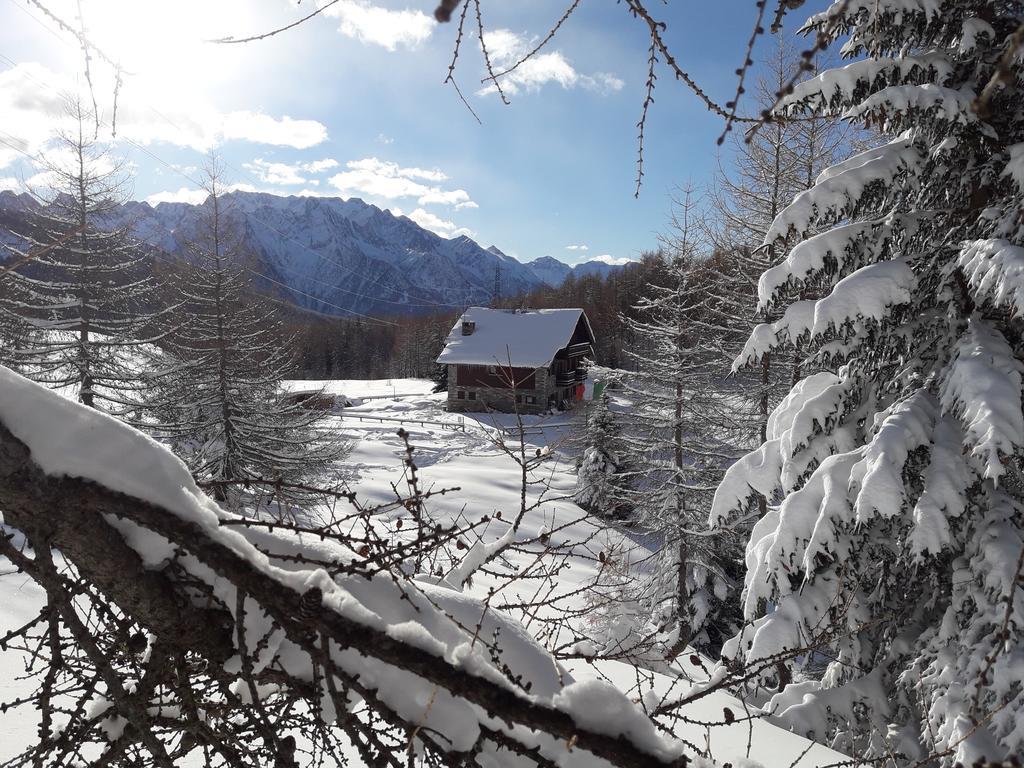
34,18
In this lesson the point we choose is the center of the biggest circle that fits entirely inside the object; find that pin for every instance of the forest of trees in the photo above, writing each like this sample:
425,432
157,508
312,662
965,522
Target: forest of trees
408,345
814,407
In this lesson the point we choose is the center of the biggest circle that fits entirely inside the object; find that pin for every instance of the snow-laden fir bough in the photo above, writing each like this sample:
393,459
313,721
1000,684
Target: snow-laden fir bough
895,474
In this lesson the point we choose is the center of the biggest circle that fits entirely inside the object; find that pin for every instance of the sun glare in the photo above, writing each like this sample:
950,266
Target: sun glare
164,46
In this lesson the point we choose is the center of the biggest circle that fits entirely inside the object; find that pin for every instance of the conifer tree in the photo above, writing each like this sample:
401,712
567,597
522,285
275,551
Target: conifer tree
895,550
82,296
222,406
602,482
678,438
769,168
440,377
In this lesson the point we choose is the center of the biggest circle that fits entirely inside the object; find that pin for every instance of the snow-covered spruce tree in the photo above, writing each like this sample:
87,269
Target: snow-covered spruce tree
602,481
220,404
83,295
896,544
678,439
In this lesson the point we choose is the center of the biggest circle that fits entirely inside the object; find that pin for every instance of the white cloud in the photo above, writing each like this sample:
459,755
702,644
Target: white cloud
30,111
195,196
8,155
33,109
607,258
182,195
380,178
275,173
506,48
187,170
456,197
383,139
365,182
263,129
577,248
11,183
434,223
368,23
602,82
319,166
45,177
288,174
393,169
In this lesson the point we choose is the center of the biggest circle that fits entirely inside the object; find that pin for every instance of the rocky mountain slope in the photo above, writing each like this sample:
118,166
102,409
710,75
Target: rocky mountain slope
553,272
338,256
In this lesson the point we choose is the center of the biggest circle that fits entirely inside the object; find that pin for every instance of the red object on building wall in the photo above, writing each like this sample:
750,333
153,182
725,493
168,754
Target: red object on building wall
579,392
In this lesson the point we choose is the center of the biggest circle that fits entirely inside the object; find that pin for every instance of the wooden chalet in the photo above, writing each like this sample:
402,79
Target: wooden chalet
526,359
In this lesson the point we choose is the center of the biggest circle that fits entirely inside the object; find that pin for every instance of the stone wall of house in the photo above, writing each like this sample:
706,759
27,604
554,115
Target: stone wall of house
453,373
544,381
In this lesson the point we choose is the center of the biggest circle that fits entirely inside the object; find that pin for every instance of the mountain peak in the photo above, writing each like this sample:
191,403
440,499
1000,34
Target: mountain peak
553,272
547,261
337,256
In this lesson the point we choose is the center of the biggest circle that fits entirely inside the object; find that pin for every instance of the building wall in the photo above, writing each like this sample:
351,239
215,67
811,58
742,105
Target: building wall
490,391
496,398
495,376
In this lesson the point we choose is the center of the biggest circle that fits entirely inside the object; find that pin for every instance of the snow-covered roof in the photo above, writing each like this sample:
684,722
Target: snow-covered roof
531,337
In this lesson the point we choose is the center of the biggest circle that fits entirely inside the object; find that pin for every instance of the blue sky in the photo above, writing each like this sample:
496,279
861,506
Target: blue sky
353,104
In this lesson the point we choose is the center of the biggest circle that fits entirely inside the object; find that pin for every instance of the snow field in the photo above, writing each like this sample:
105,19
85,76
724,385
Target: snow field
489,483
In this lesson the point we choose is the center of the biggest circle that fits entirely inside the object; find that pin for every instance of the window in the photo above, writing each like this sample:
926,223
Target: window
461,395
530,399
472,395
492,370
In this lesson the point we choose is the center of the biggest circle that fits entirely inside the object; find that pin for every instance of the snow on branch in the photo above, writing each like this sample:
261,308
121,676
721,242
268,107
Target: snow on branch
891,106
1015,164
900,11
876,481
835,86
756,473
867,295
944,496
983,388
838,190
831,251
88,484
995,271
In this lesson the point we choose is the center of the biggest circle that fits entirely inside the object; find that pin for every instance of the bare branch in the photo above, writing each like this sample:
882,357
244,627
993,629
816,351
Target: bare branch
279,30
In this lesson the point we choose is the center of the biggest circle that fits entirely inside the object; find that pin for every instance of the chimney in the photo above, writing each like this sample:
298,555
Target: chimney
468,326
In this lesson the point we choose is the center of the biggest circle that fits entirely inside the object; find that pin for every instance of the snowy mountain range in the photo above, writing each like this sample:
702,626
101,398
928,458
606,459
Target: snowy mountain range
553,272
338,256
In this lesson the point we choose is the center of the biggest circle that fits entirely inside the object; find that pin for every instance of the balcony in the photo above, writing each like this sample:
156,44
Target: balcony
565,379
578,350
571,378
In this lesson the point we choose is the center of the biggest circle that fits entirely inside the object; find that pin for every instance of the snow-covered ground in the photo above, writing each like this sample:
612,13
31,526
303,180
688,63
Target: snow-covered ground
358,388
19,599
489,482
